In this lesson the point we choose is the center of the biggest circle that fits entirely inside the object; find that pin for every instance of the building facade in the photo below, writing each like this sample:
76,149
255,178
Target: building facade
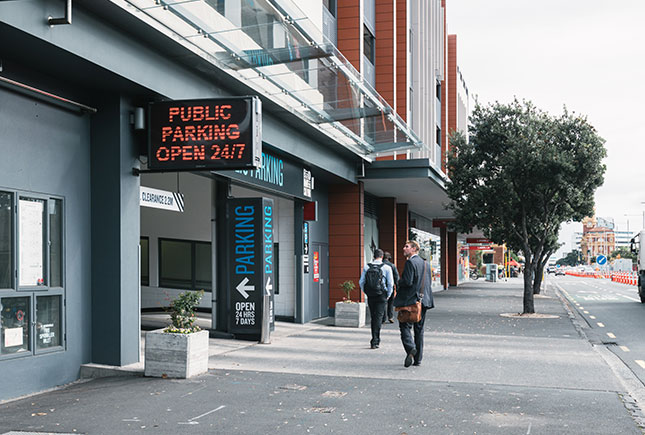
353,108
596,239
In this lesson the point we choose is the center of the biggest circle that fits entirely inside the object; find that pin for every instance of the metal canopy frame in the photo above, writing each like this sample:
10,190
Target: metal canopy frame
274,48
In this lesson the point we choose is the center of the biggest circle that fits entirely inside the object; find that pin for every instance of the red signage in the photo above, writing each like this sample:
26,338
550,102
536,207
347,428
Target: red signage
316,267
478,248
477,240
223,133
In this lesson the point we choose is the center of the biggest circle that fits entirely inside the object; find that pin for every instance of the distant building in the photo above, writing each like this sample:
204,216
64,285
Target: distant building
623,238
596,239
605,223
576,239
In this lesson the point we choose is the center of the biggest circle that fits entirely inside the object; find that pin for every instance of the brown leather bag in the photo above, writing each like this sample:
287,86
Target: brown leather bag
412,313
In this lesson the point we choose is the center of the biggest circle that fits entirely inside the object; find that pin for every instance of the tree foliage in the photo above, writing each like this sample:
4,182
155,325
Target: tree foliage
622,252
521,174
571,259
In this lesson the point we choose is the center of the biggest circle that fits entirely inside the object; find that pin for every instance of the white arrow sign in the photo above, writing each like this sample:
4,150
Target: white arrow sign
268,287
243,288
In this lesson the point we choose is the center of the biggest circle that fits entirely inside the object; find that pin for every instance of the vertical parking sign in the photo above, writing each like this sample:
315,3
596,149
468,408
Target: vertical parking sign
251,263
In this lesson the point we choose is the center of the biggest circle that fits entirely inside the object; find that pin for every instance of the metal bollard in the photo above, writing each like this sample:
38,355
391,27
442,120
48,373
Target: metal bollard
265,334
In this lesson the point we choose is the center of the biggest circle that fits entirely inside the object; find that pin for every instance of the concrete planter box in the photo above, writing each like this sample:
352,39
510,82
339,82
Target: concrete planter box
350,314
176,355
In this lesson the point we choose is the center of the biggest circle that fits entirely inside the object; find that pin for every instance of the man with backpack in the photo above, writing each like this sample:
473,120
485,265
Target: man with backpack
377,283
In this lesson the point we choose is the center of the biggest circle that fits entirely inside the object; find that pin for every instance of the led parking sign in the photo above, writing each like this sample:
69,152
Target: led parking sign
222,133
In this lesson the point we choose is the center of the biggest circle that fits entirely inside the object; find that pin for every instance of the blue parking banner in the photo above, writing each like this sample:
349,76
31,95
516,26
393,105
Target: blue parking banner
251,259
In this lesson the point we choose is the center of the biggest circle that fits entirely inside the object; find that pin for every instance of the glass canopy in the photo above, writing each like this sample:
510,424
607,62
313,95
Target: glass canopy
274,48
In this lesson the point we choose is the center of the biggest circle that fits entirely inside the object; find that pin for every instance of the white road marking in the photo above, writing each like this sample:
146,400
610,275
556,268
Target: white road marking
641,363
592,317
586,312
600,325
192,420
209,412
630,298
610,335
624,348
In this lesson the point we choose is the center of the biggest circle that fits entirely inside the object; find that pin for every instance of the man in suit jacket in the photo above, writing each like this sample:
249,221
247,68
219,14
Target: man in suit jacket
416,273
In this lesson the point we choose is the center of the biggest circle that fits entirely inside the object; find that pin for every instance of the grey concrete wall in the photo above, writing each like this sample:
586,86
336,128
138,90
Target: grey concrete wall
115,235
129,57
45,149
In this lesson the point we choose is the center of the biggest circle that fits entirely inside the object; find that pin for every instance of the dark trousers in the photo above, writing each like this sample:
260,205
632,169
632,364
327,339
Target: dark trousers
406,335
377,309
389,309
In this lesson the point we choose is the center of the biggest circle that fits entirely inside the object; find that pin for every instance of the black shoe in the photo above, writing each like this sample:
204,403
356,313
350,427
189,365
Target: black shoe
374,346
416,363
410,357
391,320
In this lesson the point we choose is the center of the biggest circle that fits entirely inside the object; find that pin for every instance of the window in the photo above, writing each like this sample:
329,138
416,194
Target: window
218,5
331,6
6,239
32,277
56,243
15,325
368,45
31,242
48,322
185,264
145,260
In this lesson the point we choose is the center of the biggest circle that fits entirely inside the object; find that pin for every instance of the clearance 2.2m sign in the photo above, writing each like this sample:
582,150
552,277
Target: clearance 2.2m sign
222,133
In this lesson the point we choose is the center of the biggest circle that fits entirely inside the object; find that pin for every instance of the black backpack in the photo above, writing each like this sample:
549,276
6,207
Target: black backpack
374,280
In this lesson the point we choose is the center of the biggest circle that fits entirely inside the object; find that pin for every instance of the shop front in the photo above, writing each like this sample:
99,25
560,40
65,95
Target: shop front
182,248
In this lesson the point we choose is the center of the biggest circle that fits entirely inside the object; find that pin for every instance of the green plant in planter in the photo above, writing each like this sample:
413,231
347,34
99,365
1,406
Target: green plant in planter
347,287
182,313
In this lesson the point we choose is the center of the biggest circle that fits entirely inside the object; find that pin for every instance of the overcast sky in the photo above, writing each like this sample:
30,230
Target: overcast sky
586,54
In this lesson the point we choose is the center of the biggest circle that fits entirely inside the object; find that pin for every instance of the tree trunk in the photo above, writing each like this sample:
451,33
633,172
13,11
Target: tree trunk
529,307
537,282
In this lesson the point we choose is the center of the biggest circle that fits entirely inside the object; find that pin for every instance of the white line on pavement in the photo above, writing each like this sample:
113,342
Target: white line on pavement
610,335
624,348
600,325
641,363
192,420
592,317
630,298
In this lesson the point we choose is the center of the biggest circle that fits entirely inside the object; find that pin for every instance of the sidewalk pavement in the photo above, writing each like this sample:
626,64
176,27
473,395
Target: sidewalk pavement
481,373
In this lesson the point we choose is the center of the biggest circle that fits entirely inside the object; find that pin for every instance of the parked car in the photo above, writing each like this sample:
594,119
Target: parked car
560,272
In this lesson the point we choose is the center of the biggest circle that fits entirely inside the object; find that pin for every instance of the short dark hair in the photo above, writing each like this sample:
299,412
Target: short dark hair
387,256
378,253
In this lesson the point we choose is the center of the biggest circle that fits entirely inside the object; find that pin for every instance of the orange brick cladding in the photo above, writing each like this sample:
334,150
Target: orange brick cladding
452,85
401,59
346,257
350,32
402,232
387,226
385,50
